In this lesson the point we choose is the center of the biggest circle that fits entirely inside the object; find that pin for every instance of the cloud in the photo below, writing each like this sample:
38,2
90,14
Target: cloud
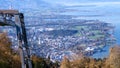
94,3
84,2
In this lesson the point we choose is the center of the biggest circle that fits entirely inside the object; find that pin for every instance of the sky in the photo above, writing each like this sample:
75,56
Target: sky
73,1
83,2
37,3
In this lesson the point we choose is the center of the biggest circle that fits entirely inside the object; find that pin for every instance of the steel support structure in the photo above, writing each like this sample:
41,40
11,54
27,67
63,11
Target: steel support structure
16,19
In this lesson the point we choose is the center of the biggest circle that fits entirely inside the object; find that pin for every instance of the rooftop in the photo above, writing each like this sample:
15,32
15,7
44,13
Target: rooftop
9,11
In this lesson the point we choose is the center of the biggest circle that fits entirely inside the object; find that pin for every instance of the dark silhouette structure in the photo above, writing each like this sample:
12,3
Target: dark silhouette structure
16,19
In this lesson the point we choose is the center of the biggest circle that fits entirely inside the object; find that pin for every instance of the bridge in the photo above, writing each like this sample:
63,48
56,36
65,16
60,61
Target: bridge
16,19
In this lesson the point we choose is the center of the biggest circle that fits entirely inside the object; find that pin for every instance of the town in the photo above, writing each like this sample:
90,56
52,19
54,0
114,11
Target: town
56,38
